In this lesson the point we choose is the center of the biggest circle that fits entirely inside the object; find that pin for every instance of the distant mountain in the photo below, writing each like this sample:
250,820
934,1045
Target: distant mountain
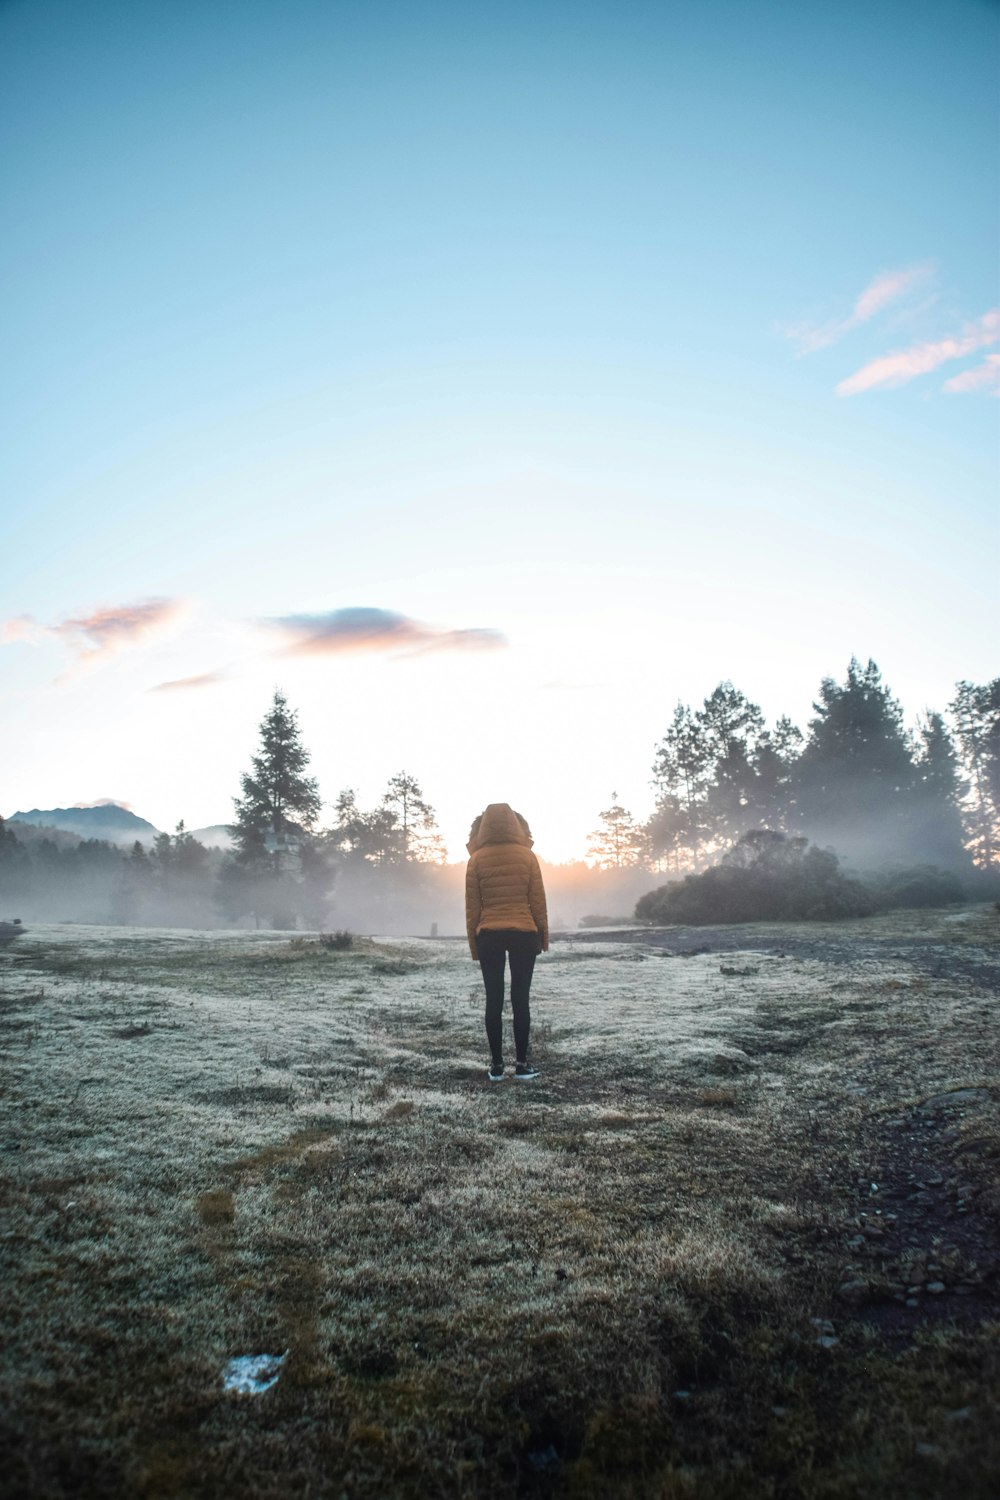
216,836
110,822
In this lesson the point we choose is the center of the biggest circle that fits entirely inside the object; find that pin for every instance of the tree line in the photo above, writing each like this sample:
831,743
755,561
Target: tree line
857,780
282,870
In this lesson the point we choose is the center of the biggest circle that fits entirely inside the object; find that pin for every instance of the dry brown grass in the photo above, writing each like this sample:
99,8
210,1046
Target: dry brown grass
660,1270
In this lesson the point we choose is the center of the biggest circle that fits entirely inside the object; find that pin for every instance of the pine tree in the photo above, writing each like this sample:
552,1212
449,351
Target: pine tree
730,726
680,775
620,842
418,832
976,710
855,781
272,870
774,764
939,835
280,803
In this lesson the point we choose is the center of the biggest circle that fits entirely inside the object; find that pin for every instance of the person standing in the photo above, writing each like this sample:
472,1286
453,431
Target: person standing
506,918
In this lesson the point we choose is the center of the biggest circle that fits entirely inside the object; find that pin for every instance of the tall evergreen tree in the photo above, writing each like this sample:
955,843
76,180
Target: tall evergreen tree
939,836
719,773
665,832
976,711
272,870
620,843
680,775
280,803
414,817
731,726
777,752
856,777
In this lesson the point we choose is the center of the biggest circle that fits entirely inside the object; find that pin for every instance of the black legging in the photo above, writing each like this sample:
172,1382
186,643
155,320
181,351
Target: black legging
493,949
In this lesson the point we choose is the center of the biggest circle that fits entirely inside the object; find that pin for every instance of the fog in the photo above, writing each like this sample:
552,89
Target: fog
49,875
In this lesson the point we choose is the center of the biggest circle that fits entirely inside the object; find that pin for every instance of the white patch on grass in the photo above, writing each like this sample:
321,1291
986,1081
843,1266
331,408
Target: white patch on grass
252,1374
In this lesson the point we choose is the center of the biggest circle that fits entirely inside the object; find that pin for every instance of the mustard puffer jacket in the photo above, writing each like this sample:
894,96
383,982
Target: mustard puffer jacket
503,881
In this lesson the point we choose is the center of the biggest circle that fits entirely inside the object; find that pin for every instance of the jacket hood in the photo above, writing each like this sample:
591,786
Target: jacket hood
500,824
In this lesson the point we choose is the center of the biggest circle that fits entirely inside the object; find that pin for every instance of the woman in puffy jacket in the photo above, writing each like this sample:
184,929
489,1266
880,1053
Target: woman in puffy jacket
505,918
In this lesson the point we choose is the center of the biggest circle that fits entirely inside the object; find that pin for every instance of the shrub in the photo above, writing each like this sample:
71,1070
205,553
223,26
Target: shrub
336,939
767,876
921,886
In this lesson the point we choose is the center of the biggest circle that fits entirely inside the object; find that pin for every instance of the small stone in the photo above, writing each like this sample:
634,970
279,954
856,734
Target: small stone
913,1291
827,1341
779,1411
935,1288
682,1395
912,1302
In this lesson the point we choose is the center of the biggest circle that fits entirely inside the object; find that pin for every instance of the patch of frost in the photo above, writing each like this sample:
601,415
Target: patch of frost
252,1374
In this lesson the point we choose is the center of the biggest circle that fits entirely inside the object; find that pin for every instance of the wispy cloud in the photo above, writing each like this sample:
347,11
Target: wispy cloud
21,628
984,377
365,629
100,634
202,680
106,802
904,365
105,631
887,288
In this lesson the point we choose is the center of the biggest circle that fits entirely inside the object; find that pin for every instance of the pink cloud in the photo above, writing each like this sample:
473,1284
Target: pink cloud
106,802
886,288
20,628
99,634
984,377
104,631
204,679
363,628
904,365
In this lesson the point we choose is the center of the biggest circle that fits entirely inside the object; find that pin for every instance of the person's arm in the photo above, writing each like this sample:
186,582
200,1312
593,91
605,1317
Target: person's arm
536,901
473,907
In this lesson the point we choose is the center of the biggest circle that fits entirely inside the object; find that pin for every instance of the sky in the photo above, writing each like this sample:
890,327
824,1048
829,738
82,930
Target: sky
488,378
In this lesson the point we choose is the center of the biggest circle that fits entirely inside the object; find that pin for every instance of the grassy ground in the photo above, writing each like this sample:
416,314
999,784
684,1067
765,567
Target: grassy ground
699,1257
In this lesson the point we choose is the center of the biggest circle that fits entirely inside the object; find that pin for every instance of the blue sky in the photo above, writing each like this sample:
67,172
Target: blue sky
613,349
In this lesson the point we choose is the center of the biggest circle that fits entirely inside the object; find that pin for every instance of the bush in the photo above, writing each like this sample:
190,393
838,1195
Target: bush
766,877
336,939
921,886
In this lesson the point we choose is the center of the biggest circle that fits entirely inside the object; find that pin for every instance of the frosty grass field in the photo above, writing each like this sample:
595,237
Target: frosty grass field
739,1239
